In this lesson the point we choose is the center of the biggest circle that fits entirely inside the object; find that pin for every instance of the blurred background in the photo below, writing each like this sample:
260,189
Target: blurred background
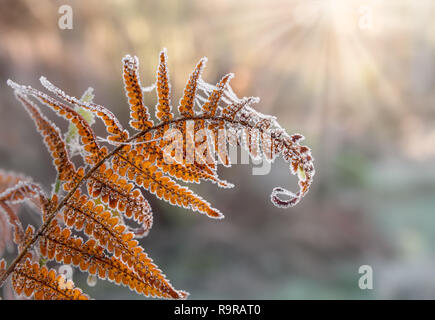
355,77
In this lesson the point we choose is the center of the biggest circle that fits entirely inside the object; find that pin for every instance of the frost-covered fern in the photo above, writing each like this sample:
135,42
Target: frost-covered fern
101,196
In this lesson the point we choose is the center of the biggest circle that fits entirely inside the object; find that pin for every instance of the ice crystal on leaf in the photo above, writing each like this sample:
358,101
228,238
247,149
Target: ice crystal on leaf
98,198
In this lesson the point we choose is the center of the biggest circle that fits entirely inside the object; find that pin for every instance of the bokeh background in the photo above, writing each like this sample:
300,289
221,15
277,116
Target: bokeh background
361,91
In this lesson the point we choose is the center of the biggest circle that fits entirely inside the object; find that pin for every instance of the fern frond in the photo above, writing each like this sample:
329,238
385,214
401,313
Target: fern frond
32,280
118,194
60,245
219,139
81,213
138,111
275,141
232,110
52,139
14,221
187,102
20,192
84,130
147,175
15,188
184,172
114,178
210,108
114,128
211,105
163,89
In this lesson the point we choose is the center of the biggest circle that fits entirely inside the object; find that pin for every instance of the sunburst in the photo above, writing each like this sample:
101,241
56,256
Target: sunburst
343,53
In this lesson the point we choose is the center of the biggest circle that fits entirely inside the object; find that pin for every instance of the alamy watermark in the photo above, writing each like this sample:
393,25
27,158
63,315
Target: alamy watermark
65,21
365,282
66,282
205,146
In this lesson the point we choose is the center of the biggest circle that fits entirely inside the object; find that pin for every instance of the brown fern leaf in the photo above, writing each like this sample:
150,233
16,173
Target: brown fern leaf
119,194
123,161
147,175
81,213
32,280
251,142
14,221
186,109
188,130
52,139
8,216
211,105
20,192
153,152
219,134
113,126
163,89
210,108
152,148
114,178
275,141
185,172
191,173
84,130
60,245
231,111
186,105
138,111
